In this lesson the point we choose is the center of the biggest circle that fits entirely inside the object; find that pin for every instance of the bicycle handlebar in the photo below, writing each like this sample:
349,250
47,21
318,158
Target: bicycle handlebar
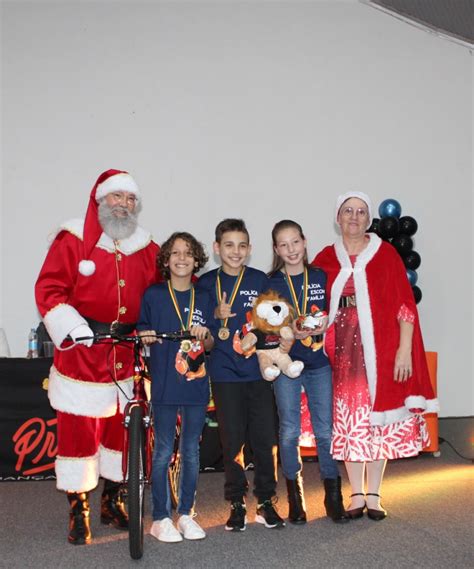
172,336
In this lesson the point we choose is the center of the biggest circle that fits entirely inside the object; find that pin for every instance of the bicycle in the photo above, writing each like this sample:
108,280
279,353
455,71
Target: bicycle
138,435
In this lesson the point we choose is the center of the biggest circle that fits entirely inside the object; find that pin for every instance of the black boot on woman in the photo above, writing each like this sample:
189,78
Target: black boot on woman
112,510
296,513
79,528
333,501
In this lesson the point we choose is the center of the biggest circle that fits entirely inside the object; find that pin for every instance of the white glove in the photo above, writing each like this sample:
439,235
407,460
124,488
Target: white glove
82,331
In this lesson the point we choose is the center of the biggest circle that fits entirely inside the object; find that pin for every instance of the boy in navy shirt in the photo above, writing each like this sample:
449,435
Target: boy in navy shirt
180,382
244,401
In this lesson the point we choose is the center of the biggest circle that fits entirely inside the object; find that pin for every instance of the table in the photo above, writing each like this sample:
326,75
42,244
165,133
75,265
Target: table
27,422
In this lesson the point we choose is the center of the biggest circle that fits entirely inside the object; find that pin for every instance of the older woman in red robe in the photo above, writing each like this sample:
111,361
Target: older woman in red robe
374,342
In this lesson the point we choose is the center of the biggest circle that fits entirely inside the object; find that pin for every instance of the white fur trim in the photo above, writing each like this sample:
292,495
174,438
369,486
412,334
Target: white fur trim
84,397
74,226
125,393
364,311
77,474
140,238
419,402
87,267
110,462
381,418
60,320
432,406
122,182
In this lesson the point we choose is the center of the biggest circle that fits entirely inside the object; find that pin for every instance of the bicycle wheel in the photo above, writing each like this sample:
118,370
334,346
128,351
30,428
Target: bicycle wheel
136,481
174,469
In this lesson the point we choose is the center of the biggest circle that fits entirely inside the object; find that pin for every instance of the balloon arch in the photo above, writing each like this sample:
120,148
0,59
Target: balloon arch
399,231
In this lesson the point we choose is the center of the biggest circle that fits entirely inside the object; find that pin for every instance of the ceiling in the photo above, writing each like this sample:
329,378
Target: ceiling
453,19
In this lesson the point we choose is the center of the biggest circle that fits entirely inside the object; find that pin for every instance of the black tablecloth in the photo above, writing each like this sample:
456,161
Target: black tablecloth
28,441
27,422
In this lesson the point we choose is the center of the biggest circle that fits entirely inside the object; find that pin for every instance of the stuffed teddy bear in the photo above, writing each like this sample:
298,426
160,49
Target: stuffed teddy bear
271,319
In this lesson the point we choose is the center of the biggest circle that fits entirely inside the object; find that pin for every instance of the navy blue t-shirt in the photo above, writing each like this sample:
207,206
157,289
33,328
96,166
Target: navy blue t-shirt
168,386
316,296
225,364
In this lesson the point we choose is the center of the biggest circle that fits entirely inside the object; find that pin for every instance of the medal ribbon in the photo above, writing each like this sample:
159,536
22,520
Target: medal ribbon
294,299
234,291
176,307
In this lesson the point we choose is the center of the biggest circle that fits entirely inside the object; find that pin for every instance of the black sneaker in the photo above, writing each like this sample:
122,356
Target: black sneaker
238,517
267,514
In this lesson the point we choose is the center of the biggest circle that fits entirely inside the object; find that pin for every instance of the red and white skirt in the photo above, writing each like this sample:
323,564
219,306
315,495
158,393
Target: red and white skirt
354,438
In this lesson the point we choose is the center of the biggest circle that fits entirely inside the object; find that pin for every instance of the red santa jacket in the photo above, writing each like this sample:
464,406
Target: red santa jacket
82,379
381,288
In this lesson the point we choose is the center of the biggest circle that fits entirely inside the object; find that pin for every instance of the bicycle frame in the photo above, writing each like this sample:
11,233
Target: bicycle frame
138,433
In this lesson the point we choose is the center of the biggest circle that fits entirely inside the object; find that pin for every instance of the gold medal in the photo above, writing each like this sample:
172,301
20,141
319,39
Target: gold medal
224,333
186,346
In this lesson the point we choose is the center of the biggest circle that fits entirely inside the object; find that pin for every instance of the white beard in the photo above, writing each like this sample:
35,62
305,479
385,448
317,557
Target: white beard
117,228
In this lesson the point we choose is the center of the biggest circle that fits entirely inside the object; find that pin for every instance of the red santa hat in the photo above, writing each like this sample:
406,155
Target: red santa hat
109,181
354,194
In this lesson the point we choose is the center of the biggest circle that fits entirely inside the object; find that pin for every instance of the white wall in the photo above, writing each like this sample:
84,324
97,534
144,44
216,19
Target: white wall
262,110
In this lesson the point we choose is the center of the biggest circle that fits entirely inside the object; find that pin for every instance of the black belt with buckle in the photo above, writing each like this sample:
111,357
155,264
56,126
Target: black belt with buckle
347,301
114,327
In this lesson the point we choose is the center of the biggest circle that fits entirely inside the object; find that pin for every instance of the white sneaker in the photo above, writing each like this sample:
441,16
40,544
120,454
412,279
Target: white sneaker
164,530
190,529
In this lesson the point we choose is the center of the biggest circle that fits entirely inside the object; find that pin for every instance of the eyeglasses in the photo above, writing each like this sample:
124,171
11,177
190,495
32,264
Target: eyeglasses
359,212
129,198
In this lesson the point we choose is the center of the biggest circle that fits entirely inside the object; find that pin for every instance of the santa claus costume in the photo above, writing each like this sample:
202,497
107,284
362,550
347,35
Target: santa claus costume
89,281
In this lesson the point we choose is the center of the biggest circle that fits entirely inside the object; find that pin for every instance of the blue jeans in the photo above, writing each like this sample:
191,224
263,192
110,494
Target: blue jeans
192,423
318,386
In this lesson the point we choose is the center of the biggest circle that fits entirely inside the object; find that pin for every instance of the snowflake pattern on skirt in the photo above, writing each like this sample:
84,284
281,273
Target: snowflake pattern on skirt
354,438
307,438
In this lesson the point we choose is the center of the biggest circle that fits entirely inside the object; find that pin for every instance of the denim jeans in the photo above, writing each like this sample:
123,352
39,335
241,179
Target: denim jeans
192,423
318,386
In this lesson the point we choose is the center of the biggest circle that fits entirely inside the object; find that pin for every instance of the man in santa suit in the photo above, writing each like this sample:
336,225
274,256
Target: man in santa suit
93,278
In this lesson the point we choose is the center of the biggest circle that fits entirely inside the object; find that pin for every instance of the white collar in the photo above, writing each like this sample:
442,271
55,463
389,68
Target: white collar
138,240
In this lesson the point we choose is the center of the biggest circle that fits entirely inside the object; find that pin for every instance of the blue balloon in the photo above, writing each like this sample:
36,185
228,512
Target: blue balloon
412,276
390,208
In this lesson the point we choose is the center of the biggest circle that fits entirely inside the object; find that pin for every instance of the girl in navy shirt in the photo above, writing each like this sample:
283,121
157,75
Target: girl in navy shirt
180,382
304,287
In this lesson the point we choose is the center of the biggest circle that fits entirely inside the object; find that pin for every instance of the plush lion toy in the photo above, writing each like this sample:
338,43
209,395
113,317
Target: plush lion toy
271,319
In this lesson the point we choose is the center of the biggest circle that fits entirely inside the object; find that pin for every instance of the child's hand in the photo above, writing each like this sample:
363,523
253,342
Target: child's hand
149,337
202,333
223,309
298,332
199,332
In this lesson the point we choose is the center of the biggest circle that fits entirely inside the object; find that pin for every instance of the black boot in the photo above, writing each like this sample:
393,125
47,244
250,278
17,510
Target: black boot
296,513
112,508
79,528
333,500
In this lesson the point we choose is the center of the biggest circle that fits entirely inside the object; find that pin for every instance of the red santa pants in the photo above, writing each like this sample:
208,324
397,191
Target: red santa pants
88,447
